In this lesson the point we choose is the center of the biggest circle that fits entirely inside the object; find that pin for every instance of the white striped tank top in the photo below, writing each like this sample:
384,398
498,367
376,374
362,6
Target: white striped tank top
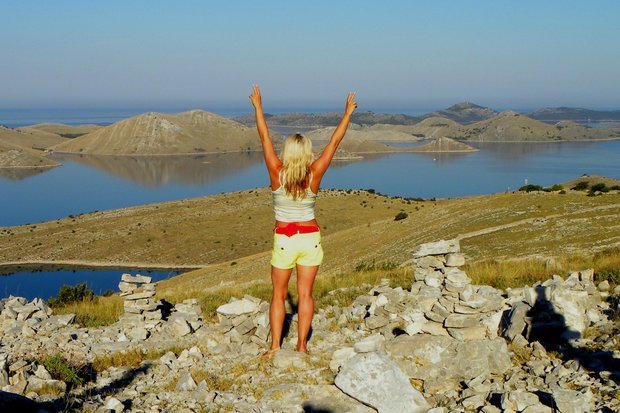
289,210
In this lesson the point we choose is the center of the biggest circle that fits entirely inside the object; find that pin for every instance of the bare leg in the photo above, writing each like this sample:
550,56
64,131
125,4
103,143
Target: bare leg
305,307
279,279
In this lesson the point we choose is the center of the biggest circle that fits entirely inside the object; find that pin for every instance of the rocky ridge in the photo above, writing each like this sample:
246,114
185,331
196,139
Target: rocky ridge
444,345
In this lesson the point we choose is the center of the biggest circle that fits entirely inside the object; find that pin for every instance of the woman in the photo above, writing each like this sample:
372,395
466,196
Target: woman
295,179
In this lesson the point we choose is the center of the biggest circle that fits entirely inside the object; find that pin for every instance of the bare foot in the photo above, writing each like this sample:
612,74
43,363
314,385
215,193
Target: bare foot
270,353
301,349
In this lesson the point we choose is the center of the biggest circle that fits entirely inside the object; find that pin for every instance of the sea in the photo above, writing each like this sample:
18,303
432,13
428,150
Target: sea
84,184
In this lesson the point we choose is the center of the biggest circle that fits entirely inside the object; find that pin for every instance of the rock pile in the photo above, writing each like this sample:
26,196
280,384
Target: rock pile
442,300
434,347
555,309
245,323
21,318
142,313
30,379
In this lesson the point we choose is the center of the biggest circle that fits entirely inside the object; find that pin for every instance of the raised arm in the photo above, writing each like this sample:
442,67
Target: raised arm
271,159
323,161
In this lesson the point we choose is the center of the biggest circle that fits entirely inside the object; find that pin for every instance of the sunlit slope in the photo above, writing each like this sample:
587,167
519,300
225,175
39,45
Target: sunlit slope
163,134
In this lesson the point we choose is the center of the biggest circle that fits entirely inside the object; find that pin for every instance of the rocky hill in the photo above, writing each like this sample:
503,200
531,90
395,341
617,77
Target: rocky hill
439,342
14,156
34,139
464,112
513,127
435,127
329,119
445,144
152,133
380,132
66,131
574,114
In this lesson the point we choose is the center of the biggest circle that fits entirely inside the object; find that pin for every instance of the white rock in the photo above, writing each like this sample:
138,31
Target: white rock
437,248
455,260
136,279
283,359
237,308
572,401
375,380
370,343
339,357
112,403
186,382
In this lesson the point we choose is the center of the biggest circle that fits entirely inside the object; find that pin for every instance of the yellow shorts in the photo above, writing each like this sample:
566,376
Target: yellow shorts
302,249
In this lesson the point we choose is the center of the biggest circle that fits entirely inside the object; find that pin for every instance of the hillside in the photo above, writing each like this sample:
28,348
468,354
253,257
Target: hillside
365,133
358,227
435,127
152,133
574,114
513,127
66,131
329,119
34,139
445,144
464,112
14,156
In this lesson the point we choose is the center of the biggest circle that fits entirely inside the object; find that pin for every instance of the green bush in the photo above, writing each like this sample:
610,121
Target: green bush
581,186
71,294
61,369
599,187
615,188
556,187
400,215
530,188
562,192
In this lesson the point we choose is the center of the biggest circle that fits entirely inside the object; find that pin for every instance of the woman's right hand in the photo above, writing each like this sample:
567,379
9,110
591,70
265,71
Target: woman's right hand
255,97
351,104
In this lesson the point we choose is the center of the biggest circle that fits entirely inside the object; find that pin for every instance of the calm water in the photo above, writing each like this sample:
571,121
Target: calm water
84,184
45,284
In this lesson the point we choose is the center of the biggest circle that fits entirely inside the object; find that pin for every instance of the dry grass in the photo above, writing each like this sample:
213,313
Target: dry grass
94,313
131,358
358,230
519,272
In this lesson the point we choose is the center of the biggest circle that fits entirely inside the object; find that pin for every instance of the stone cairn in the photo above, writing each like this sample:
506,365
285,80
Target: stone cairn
245,322
442,300
143,314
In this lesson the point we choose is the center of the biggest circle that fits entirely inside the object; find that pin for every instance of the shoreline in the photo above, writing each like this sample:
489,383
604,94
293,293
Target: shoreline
30,167
31,265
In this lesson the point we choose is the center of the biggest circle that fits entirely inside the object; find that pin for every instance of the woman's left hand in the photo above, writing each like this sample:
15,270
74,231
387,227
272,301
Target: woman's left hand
255,97
351,104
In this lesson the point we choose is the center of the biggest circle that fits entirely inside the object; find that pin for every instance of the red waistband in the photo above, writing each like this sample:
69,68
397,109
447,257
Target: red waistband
292,229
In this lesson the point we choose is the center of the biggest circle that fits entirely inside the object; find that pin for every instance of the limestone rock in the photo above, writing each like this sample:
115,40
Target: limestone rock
283,359
238,307
374,379
437,248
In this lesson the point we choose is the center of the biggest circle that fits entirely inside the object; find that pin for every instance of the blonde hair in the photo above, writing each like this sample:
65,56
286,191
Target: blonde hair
296,158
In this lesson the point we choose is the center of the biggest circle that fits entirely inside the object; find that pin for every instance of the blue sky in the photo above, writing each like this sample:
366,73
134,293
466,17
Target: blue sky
424,54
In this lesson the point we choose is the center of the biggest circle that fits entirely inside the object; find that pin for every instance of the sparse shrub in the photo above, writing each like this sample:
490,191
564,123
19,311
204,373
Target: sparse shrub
71,294
400,215
61,369
530,188
599,187
556,187
370,191
562,192
581,186
373,266
615,188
